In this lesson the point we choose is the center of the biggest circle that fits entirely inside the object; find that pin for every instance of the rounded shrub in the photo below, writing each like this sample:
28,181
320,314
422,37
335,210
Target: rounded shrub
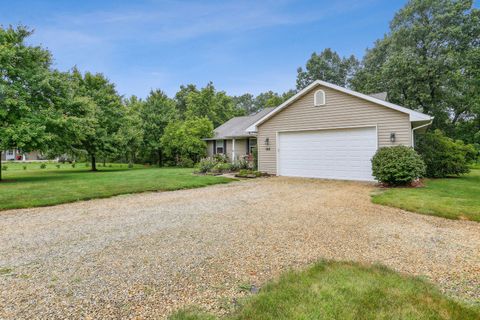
398,165
444,156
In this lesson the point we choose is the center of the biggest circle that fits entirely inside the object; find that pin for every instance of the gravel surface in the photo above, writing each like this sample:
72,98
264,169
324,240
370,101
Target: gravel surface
145,255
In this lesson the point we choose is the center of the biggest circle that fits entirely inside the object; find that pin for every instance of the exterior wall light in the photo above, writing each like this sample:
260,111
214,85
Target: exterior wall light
392,137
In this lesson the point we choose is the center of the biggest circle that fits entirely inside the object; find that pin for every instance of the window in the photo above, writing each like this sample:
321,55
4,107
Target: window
252,144
319,98
219,146
10,153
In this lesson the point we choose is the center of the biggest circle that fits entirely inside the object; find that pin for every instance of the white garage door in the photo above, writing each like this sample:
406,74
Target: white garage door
330,154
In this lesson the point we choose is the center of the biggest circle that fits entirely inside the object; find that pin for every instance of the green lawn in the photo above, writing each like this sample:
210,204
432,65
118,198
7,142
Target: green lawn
453,198
336,290
40,187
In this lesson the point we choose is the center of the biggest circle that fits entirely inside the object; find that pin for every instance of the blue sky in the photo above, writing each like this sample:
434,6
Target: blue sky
241,46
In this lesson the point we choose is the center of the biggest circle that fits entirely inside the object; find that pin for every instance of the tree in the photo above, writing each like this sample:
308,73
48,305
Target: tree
218,107
181,98
156,113
245,102
95,112
130,135
24,74
429,62
183,139
327,66
268,99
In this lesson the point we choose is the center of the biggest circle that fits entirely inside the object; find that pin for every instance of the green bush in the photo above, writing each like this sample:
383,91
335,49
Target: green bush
73,165
206,165
247,173
255,158
4,168
186,163
24,167
220,157
130,165
444,156
43,166
221,167
398,165
58,166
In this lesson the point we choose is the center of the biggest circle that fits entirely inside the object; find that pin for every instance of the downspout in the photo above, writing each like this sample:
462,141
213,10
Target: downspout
413,132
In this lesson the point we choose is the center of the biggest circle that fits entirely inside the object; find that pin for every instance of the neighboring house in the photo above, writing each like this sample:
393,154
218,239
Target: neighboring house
326,131
17,155
232,139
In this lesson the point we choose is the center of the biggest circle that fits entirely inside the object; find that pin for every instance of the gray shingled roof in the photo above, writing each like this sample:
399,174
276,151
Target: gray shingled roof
236,127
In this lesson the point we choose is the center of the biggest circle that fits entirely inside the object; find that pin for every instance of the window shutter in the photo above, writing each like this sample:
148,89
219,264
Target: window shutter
214,146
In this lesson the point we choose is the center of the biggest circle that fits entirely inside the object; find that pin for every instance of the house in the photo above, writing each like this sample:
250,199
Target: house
232,137
17,155
326,131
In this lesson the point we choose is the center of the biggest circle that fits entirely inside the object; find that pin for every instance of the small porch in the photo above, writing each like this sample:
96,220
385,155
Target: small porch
235,148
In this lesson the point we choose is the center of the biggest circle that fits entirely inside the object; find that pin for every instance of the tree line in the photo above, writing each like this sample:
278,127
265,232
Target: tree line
428,61
81,115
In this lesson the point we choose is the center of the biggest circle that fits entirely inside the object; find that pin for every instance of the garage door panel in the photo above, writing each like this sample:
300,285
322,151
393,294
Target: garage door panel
331,154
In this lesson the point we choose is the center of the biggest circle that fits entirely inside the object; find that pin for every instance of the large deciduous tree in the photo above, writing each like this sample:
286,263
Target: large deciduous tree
97,111
327,66
24,76
183,139
156,113
217,106
430,61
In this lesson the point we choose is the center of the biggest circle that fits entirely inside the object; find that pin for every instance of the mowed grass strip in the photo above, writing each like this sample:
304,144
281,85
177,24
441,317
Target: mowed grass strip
41,187
452,198
340,290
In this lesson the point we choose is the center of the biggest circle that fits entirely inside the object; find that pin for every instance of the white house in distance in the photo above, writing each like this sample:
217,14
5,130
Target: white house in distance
17,155
324,131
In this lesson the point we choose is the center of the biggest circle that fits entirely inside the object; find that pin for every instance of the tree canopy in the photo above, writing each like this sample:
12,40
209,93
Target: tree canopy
327,66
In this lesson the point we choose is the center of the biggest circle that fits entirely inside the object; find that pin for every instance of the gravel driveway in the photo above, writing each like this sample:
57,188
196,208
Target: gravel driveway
145,255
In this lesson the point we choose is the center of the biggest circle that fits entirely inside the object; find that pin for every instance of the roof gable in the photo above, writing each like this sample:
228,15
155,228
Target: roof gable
414,115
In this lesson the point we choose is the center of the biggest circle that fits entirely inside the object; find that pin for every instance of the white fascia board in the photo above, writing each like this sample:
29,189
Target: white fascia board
414,115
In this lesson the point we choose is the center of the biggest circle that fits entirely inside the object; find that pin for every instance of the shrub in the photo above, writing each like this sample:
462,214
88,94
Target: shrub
186,163
246,173
220,157
130,165
73,165
255,158
4,168
444,156
206,165
24,167
244,165
397,165
43,166
221,167
58,166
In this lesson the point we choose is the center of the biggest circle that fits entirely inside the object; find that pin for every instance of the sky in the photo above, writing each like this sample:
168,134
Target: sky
241,46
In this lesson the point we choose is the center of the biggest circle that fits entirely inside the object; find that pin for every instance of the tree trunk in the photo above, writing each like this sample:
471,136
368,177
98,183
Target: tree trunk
159,157
1,165
94,163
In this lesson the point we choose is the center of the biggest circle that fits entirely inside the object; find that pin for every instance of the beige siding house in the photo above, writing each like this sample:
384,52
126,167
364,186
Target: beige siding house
326,131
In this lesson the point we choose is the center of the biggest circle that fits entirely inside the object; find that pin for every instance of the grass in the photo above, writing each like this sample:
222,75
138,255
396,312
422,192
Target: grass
340,290
41,187
452,198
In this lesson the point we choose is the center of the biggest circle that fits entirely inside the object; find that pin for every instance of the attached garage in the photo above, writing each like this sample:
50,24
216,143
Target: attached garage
329,154
326,131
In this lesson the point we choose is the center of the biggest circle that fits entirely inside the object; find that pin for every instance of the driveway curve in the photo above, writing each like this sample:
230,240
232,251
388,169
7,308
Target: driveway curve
145,255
